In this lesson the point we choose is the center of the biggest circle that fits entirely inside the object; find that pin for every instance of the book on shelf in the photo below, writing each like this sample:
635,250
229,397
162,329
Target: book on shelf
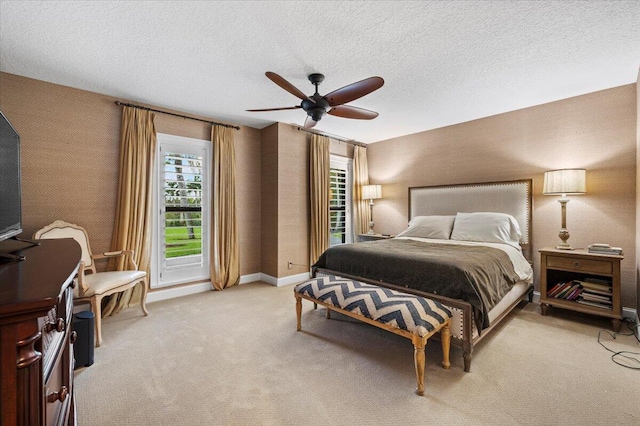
573,295
604,249
596,304
598,280
594,286
561,293
556,288
596,298
600,292
567,291
578,289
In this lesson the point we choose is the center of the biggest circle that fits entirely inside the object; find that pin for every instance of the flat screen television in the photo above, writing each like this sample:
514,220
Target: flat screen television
10,191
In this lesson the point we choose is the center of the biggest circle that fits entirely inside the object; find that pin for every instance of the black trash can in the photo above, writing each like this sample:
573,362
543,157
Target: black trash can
83,325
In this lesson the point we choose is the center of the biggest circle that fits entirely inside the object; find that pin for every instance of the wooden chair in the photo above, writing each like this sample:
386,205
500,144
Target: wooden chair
93,286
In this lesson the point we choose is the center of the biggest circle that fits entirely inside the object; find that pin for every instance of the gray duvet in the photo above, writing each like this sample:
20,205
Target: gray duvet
479,275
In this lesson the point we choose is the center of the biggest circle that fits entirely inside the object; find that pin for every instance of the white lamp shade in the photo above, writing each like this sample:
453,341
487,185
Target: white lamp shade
371,192
565,181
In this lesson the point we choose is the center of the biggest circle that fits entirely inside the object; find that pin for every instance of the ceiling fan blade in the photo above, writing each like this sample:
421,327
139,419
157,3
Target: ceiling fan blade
273,109
348,111
285,85
354,91
309,123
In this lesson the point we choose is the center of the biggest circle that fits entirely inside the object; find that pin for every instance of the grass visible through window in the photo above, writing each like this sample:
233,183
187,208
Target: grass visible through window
179,244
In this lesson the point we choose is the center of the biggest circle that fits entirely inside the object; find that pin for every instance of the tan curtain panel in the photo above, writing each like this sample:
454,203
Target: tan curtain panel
132,228
361,211
319,195
225,253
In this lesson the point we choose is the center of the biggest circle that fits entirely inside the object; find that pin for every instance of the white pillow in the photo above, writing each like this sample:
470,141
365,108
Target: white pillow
437,227
487,227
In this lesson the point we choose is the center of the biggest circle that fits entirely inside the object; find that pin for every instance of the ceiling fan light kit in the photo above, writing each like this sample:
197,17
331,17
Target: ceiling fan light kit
316,105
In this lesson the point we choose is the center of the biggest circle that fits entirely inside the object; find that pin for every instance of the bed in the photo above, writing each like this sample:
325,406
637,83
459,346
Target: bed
468,246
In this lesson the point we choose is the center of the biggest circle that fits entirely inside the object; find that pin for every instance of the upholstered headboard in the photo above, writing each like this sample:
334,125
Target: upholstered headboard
512,197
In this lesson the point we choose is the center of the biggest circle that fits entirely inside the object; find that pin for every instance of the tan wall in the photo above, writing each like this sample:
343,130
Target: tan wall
596,131
70,149
285,198
293,200
269,199
248,207
638,192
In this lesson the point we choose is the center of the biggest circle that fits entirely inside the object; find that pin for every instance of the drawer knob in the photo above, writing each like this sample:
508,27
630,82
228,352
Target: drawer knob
61,395
73,337
577,264
58,326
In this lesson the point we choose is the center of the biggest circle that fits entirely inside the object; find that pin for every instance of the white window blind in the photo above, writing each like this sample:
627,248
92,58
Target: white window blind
339,201
182,210
181,241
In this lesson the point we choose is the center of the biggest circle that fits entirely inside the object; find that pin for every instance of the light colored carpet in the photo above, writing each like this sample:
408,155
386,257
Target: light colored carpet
234,358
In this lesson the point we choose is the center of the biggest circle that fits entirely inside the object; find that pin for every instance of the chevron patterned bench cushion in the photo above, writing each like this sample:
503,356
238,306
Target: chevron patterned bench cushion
415,314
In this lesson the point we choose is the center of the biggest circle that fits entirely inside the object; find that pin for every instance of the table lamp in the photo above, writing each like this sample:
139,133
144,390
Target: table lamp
565,182
371,192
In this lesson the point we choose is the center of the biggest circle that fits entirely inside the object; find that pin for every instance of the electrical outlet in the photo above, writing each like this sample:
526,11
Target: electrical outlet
290,265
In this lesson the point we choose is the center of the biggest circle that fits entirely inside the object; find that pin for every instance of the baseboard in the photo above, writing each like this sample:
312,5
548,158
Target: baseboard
630,313
626,312
291,279
536,297
177,291
244,279
185,290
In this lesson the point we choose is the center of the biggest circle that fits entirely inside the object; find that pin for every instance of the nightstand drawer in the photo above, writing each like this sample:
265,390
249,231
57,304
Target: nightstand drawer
582,265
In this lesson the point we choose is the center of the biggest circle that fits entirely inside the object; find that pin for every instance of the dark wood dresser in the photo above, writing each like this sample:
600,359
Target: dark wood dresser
36,341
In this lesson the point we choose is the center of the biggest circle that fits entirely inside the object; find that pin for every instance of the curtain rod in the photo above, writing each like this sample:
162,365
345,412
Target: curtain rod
351,141
176,115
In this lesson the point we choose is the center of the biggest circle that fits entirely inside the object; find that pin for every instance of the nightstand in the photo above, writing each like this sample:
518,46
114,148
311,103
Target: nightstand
371,237
597,276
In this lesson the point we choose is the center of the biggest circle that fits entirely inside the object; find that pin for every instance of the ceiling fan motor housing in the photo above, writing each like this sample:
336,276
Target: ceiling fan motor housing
316,113
315,106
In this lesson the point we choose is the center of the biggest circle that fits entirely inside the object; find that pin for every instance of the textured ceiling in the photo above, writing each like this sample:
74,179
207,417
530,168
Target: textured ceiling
442,62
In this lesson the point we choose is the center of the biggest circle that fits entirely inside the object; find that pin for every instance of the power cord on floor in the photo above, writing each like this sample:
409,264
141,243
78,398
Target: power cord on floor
624,357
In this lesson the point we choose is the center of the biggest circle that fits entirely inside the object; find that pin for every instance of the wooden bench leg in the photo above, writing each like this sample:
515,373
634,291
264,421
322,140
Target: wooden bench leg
328,313
299,311
467,361
467,351
419,344
445,338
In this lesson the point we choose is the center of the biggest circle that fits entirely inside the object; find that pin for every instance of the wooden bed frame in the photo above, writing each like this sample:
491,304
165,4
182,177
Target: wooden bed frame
512,197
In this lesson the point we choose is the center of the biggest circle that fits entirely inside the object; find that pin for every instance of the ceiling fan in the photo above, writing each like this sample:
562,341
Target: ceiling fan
316,105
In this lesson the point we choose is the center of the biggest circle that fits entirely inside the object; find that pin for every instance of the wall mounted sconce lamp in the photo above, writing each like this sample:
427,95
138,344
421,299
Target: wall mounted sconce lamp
371,192
565,182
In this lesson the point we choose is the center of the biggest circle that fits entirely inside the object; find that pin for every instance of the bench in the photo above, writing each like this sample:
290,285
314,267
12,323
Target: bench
414,317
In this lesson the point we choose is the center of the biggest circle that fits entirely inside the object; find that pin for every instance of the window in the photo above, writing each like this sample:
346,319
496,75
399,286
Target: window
340,200
181,241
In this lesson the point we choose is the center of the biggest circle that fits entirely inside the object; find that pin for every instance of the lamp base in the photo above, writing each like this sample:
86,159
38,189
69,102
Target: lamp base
370,229
564,236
